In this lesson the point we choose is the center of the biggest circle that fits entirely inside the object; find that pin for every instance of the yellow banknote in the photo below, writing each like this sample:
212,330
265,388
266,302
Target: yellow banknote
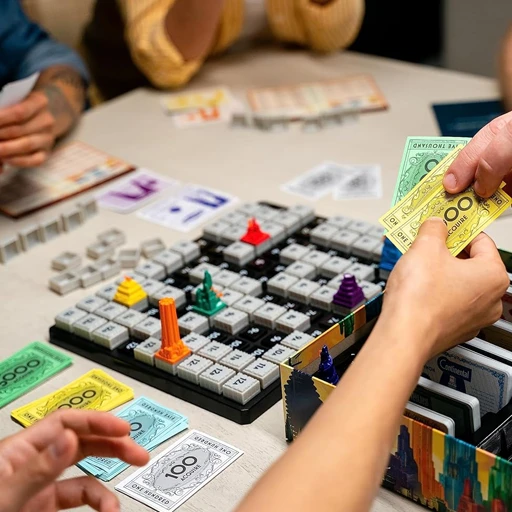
94,390
465,214
214,97
420,193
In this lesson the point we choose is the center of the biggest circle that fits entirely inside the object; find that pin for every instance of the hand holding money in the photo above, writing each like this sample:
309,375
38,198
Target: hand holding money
32,460
450,297
486,161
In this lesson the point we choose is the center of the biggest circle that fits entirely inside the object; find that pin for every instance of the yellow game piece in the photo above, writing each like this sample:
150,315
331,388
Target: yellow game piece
131,294
173,349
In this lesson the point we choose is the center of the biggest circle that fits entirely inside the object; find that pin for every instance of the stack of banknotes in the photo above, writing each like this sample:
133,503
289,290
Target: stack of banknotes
151,425
94,390
419,194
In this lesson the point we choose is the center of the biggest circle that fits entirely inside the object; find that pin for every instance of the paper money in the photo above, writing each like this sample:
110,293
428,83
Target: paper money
28,368
177,473
94,390
151,425
421,155
419,194
465,214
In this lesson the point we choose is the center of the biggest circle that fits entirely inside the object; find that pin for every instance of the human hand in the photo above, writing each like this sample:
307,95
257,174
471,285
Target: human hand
449,299
27,131
32,460
486,160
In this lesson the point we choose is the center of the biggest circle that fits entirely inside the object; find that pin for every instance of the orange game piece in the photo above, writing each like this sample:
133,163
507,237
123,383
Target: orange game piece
173,350
254,235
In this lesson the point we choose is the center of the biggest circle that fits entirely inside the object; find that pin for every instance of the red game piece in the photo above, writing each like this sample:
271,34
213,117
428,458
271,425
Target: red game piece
254,235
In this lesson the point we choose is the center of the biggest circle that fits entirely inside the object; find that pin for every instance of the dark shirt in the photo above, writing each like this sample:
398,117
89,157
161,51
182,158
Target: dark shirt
25,48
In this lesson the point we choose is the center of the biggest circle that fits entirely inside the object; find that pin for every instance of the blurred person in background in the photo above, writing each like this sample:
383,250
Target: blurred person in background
506,69
29,129
133,43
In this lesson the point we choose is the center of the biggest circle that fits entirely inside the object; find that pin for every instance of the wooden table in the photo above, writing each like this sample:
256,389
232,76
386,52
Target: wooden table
251,165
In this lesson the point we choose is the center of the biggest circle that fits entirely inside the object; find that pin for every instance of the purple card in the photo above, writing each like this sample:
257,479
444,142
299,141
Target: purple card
141,187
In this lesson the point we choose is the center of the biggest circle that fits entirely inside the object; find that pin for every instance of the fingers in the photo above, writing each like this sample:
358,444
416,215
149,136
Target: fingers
25,145
43,122
43,468
495,162
22,112
86,490
82,422
433,230
463,170
123,448
482,247
33,160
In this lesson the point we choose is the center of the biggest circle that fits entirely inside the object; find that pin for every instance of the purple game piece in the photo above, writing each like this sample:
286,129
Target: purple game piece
349,294
326,369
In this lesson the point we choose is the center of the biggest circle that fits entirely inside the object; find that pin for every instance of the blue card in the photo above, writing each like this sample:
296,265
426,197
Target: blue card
465,119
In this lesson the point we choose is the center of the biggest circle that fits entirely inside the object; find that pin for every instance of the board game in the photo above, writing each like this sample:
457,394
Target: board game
279,276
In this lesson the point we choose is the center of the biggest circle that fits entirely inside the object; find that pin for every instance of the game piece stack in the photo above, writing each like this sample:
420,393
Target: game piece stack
255,288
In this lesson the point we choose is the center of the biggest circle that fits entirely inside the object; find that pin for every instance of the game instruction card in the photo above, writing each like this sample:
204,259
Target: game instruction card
73,168
177,473
314,97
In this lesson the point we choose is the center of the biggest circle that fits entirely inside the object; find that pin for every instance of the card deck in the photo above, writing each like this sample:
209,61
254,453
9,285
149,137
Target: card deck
361,182
486,379
317,182
462,408
191,207
431,418
177,473
490,350
141,187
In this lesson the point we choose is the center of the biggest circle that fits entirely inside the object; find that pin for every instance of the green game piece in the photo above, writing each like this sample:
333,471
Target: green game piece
207,302
28,368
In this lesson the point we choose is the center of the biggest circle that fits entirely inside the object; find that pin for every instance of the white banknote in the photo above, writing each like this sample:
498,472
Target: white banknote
177,473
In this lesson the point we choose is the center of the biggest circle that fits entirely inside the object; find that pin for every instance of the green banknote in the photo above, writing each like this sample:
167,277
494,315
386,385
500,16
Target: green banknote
28,368
421,155
420,193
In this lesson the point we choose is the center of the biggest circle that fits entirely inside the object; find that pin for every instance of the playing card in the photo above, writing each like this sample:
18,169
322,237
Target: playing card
359,182
203,117
177,473
317,182
135,191
151,425
17,91
188,209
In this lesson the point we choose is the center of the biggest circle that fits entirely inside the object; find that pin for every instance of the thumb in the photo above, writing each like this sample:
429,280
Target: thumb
433,230
45,467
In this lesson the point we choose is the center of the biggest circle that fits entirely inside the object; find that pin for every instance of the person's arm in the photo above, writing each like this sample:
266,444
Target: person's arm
191,25
506,69
322,25
28,130
169,39
340,457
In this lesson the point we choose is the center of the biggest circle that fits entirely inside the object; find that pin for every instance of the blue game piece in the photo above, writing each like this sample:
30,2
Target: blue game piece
326,369
390,255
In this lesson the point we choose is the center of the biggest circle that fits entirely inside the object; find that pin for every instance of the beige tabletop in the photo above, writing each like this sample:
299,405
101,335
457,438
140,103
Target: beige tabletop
251,165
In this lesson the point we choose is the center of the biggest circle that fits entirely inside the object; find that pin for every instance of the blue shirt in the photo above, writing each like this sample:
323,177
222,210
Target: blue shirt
26,48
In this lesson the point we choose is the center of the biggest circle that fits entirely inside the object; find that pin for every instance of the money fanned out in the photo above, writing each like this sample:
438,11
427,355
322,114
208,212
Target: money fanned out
466,214
177,473
151,425
421,155
93,390
28,368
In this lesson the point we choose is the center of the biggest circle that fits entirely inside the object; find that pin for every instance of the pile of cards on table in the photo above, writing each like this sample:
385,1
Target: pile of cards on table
151,425
178,472
94,390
